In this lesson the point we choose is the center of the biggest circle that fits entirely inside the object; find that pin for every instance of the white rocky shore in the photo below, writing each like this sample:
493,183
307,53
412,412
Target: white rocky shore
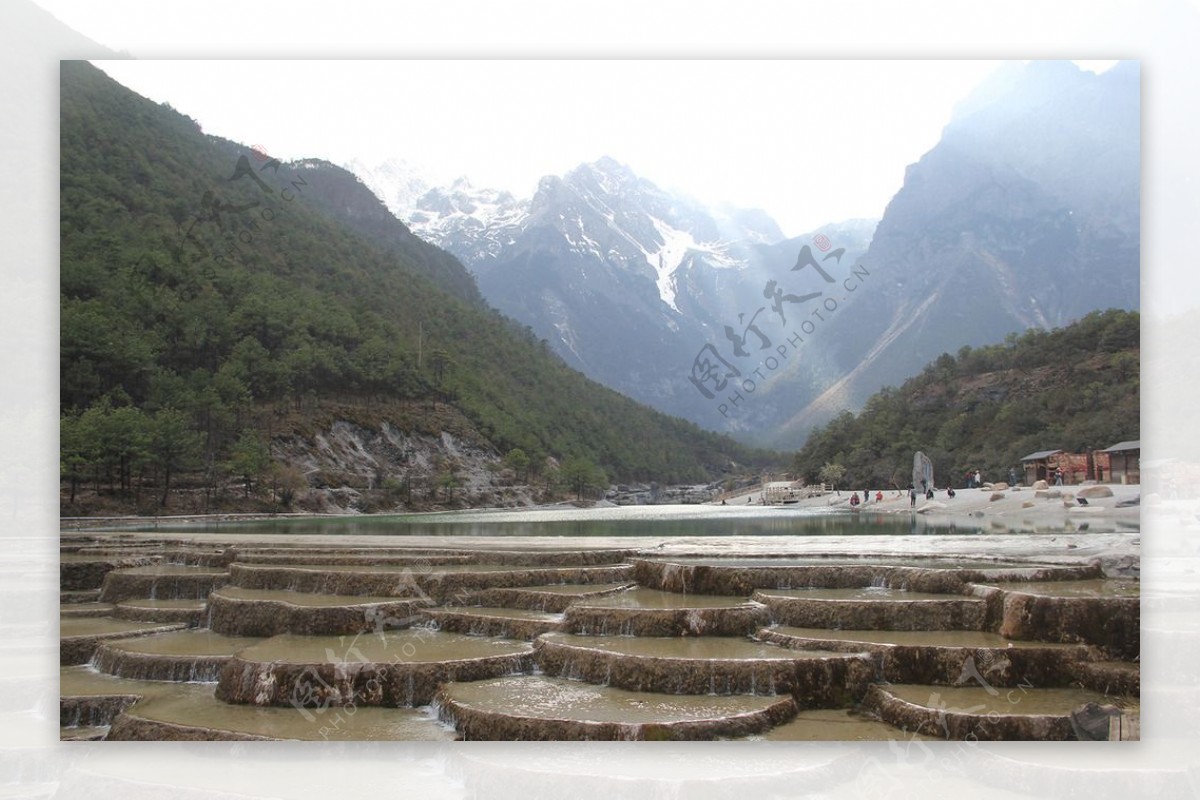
1017,509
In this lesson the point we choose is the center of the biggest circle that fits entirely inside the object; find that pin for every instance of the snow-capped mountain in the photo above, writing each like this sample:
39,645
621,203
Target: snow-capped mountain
1026,213
397,182
473,224
640,225
625,280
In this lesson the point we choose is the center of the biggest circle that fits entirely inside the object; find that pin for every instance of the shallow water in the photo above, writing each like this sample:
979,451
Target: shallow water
193,642
956,639
1001,701
1094,588
302,598
500,612
83,680
412,570
171,570
863,594
699,648
823,725
641,598
390,647
167,603
84,608
932,562
572,589
196,707
562,699
662,521
83,626
104,558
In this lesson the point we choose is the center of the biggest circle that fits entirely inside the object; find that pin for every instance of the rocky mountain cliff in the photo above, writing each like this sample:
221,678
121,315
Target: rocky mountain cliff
1026,214
626,281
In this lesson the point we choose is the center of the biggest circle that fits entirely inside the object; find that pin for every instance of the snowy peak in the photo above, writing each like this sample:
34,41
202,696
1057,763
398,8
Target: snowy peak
398,183
600,214
472,223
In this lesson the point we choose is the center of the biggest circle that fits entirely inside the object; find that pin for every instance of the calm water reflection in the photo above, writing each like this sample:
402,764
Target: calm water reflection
622,522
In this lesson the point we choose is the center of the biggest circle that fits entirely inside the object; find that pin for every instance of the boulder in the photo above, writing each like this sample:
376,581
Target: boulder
1048,493
1041,484
1000,486
1027,505
1096,491
996,496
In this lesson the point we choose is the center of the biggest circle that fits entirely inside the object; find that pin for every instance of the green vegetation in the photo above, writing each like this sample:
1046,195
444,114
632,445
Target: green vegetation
1074,388
206,291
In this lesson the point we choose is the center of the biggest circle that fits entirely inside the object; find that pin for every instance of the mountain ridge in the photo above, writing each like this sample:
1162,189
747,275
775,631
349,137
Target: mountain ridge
213,287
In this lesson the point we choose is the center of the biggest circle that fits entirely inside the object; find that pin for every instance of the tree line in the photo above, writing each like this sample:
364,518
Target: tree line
192,295
1074,388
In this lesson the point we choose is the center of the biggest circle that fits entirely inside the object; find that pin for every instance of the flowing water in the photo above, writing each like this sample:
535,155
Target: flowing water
301,598
192,643
691,648
861,594
999,701
389,647
552,698
96,626
953,639
560,545
656,599
198,709
1094,588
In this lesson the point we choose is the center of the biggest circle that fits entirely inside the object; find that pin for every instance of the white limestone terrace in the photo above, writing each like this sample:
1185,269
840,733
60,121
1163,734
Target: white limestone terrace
970,538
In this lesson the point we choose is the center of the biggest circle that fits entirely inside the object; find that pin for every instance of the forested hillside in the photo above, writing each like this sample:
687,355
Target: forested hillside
203,282
1074,388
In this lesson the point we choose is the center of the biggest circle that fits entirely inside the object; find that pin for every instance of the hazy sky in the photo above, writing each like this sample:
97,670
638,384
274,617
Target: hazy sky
811,142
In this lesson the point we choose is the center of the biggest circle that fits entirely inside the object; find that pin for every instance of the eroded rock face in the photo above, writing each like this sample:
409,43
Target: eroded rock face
439,586
885,615
541,600
192,614
1110,678
79,649
744,580
130,726
196,583
552,558
954,665
1114,624
703,579
259,617
320,685
80,573
127,664
494,711
952,724
93,710
514,626
375,594
730,621
816,680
